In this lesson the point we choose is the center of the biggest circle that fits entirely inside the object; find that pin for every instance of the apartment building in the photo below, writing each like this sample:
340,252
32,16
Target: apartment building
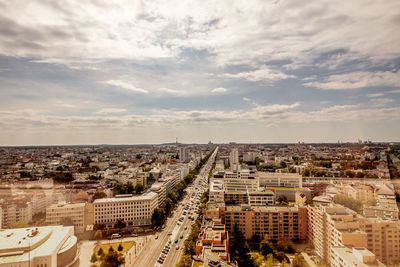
160,189
134,210
273,179
17,210
253,198
355,256
58,214
278,222
331,226
234,160
213,240
383,238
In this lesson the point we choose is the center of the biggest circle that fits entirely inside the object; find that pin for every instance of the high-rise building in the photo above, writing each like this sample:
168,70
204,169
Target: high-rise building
183,154
275,223
334,225
234,160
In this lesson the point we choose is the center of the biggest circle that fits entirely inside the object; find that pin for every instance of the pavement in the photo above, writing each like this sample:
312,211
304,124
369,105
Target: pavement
308,260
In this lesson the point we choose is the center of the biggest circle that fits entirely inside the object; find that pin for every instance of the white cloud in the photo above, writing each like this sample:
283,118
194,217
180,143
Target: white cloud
355,80
263,74
273,109
126,85
219,90
110,110
375,95
396,91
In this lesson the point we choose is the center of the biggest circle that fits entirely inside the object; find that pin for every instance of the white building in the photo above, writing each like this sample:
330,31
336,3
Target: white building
183,154
133,210
273,179
234,160
45,246
57,214
355,256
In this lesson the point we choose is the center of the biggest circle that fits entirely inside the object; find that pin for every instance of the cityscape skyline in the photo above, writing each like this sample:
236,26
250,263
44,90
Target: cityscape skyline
141,72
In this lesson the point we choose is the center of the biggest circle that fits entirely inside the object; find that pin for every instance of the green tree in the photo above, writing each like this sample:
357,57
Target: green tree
93,259
112,259
19,225
284,263
158,216
120,224
348,202
98,235
120,247
110,249
185,261
100,252
270,261
282,200
99,194
139,188
239,249
266,248
285,245
298,260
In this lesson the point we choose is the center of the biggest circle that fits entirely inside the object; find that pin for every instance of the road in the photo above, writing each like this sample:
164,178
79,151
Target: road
173,231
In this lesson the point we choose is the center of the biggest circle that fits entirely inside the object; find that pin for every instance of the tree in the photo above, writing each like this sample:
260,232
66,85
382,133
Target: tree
100,252
266,248
112,259
120,224
285,245
93,259
270,261
239,249
348,202
283,164
284,263
157,216
298,260
120,247
19,225
98,235
185,261
139,188
282,200
99,194
110,249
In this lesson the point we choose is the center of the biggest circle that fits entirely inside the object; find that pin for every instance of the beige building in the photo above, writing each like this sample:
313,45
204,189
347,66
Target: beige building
277,222
15,211
59,214
383,238
273,179
134,210
45,246
334,225
355,256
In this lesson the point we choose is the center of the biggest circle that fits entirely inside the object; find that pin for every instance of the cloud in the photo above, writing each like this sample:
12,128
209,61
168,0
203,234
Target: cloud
274,109
355,80
126,85
375,95
110,110
263,74
396,91
219,90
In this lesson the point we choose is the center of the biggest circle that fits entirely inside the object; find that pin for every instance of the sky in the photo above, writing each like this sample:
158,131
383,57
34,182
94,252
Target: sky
135,72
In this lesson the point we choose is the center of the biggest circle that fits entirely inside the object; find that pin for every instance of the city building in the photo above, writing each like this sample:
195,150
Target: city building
274,179
275,223
183,154
57,214
234,160
355,256
45,246
383,238
333,225
133,210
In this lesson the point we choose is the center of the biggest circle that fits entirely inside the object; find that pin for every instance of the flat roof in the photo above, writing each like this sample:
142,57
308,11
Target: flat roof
146,196
19,244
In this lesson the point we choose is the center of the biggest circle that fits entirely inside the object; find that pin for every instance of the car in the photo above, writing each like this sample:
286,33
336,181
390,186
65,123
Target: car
181,237
177,247
156,237
114,236
185,227
176,241
160,261
134,235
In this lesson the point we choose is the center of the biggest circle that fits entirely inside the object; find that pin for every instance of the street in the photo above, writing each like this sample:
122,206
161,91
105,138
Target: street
173,231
